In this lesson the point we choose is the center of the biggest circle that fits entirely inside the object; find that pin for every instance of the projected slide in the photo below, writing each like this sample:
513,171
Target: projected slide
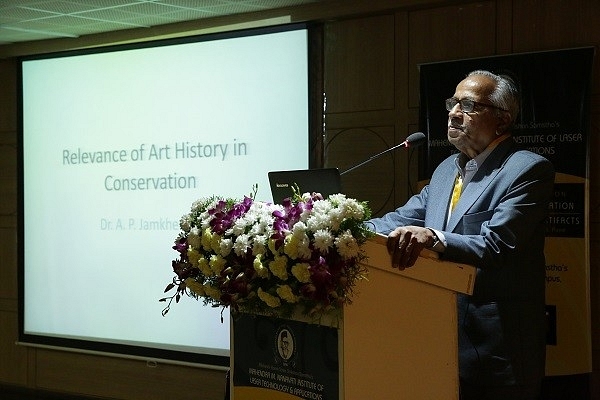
116,147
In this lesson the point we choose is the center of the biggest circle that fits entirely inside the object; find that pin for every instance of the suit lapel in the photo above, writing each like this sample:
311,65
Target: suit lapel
440,194
481,180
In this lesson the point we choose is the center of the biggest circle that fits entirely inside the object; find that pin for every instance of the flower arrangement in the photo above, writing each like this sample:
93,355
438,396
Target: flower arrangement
271,258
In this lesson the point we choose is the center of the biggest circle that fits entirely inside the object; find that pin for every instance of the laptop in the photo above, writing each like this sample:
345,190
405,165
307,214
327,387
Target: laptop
321,180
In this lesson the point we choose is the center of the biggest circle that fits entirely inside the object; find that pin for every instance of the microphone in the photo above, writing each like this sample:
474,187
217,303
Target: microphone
413,140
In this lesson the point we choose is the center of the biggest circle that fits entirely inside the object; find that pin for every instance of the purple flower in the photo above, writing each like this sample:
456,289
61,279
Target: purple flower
181,246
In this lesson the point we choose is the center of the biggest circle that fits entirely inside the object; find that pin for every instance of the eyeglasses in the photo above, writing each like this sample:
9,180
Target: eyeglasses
467,105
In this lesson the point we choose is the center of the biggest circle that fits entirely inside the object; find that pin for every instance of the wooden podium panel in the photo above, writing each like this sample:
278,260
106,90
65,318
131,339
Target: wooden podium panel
399,336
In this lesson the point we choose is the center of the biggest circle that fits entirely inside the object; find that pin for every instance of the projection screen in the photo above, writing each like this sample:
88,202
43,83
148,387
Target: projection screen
116,144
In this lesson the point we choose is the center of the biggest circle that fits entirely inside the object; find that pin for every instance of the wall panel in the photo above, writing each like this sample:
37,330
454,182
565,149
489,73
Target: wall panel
124,378
8,262
13,358
547,25
8,148
8,94
362,105
449,33
375,180
359,60
8,179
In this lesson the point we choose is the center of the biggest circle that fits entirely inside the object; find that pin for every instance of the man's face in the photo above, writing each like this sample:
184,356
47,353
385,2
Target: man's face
472,132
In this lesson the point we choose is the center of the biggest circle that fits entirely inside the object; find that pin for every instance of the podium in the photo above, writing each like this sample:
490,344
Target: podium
400,333
397,340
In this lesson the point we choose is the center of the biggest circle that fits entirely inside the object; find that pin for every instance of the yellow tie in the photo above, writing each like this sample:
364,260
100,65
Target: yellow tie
456,192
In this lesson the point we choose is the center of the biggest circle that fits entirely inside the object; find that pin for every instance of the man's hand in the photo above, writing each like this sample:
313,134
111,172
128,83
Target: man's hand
405,244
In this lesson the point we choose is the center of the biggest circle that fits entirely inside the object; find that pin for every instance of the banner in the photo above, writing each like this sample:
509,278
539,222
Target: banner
283,359
553,122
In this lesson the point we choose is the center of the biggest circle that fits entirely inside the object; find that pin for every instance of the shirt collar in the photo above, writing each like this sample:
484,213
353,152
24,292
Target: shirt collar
464,164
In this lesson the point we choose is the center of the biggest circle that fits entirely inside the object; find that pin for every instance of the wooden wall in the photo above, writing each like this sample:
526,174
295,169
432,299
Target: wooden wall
371,53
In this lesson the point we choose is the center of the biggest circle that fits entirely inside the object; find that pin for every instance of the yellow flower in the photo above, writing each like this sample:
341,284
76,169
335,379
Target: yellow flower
270,300
301,272
217,263
215,243
206,239
212,292
193,256
286,293
194,238
195,287
290,246
260,269
279,267
271,245
204,267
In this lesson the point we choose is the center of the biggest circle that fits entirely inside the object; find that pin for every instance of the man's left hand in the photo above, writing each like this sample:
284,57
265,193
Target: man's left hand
405,244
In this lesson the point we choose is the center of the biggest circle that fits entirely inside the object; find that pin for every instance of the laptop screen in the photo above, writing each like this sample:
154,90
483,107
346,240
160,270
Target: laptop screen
322,180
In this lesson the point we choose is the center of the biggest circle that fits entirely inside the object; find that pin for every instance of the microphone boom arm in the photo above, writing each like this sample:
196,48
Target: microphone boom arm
374,157
415,139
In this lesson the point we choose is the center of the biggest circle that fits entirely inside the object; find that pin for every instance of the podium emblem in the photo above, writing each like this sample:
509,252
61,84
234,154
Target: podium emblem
285,346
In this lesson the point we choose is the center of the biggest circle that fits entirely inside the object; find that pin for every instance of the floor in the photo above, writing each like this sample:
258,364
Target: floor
575,387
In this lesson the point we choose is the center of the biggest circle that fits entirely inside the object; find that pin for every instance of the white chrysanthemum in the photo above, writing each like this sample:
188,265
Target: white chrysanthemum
299,229
354,209
239,225
323,240
304,246
226,245
259,244
185,223
241,244
318,221
337,198
322,206
197,204
263,221
205,219
335,219
347,245
194,238
259,209
203,216
306,196
256,228
203,206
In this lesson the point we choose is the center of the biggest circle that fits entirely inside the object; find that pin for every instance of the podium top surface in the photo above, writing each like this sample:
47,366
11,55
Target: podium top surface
428,268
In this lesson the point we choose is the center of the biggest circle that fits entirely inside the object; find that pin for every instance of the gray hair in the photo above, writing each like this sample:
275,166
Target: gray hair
505,95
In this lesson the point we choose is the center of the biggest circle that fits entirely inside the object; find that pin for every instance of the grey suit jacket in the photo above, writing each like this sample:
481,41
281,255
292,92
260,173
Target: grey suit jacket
498,226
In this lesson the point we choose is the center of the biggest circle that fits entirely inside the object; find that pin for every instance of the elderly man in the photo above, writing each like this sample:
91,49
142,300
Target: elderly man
486,207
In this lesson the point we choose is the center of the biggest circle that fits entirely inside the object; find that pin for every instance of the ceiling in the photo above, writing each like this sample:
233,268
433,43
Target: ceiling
32,20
